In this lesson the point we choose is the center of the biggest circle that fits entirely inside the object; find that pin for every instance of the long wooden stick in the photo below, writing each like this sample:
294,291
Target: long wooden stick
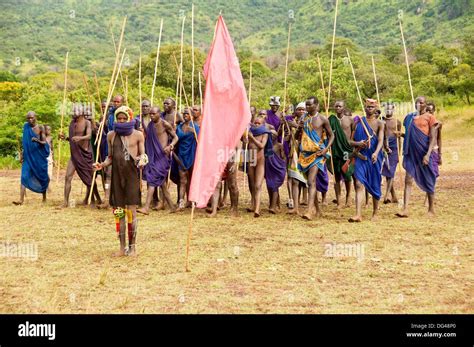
326,106
200,92
375,80
63,106
369,136
355,80
192,54
250,83
181,61
408,65
96,82
103,124
286,81
332,53
188,240
140,84
113,81
117,52
156,64
126,89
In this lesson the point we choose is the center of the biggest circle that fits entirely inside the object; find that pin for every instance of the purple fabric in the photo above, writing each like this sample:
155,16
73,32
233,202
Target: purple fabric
81,158
156,171
275,172
124,129
273,119
286,144
424,175
322,180
390,165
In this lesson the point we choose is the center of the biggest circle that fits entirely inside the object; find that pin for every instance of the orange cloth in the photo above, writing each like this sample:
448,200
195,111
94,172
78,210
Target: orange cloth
424,122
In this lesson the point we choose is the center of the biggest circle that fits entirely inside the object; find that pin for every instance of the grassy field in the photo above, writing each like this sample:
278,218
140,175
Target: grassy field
274,264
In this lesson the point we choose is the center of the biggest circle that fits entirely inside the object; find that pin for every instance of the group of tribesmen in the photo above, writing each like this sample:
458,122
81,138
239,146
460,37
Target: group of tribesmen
159,147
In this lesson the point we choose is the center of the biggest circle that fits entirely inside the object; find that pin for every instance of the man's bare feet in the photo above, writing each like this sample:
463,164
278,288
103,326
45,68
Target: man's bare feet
211,214
250,209
103,206
374,218
132,252
144,211
159,207
355,219
387,201
293,212
234,212
17,203
431,214
120,253
308,216
256,214
272,211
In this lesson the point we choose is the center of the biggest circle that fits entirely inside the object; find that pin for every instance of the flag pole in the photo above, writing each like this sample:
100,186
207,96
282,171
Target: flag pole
156,64
62,114
188,240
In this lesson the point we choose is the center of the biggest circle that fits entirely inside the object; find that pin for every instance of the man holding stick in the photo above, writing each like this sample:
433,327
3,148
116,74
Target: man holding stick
392,135
368,139
127,156
418,156
159,143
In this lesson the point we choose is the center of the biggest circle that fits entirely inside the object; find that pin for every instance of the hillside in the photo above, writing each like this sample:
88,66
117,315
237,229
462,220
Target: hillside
36,34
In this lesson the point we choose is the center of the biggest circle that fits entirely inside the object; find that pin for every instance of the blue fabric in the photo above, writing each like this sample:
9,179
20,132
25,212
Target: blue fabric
322,180
111,118
187,145
406,123
258,131
34,170
156,171
390,165
364,171
417,147
124,129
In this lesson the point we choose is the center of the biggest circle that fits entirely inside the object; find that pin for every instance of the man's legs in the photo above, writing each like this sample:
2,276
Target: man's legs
406,196
233,192
251,180
22,196
68,180
359,195
215,200
348,192
183,181
313,204
259,177
149,197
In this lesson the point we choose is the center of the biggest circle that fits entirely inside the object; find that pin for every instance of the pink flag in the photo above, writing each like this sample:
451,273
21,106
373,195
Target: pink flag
226,114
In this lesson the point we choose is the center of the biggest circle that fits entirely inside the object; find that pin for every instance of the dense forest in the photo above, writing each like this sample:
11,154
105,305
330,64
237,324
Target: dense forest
36,35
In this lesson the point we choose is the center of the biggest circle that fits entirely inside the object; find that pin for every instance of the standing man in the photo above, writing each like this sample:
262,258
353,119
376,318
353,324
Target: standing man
80,130
393,129
342,126
273,116
368,138
418,156
187,133
127,156
144,117
117,102
197,116
314,149
34,159
159,143
260,145
170,114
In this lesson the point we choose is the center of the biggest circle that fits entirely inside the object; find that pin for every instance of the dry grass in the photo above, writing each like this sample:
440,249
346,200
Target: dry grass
275,264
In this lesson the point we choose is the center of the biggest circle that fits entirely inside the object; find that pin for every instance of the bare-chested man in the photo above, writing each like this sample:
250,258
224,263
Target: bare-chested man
342,126
49,140
159,143
127,156
393,129
418,157
170,114
80,130
197,115
316,138
188,133
34,159
258,140
368,138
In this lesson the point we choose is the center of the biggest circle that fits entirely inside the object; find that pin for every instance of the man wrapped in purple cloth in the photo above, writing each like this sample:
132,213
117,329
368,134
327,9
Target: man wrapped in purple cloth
418,155
159,143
